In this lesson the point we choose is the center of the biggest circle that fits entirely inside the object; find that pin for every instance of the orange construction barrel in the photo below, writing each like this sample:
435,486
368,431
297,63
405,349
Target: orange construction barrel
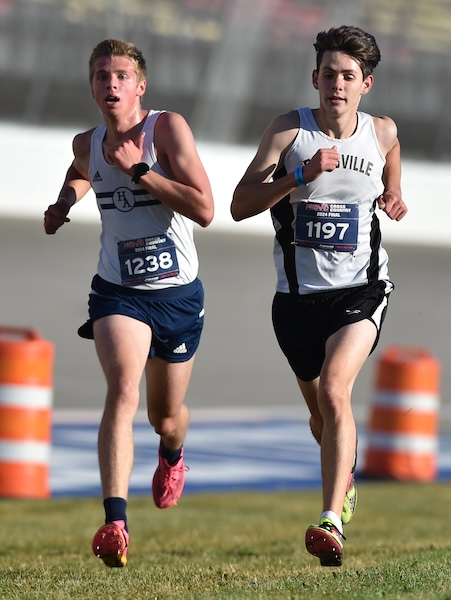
26,393
403,427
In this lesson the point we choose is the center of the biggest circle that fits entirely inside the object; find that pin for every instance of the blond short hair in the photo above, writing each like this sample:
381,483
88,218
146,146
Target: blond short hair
112,47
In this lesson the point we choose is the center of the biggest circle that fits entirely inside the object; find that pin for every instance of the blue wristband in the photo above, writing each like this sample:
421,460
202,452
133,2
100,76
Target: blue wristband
299,176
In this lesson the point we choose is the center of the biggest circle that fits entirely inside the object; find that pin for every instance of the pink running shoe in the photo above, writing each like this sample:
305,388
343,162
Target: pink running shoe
110,543
168,482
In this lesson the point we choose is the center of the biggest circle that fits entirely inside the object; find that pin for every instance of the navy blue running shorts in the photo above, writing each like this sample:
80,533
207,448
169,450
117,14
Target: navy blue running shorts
303,323
175,315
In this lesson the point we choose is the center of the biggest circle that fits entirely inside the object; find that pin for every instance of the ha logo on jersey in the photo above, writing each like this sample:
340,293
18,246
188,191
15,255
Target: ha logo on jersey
123,199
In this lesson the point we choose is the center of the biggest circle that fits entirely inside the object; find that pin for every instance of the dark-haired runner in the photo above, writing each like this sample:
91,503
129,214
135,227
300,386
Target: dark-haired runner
322,173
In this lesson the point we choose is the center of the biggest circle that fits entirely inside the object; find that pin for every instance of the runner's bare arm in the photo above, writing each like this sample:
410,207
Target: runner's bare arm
256,192
390,201
75,186
188,189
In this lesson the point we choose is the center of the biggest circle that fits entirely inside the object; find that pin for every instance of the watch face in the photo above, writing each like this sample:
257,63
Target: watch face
142,168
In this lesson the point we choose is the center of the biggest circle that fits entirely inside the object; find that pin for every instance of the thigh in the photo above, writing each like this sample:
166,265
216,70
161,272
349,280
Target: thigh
346,351
122,345
167,384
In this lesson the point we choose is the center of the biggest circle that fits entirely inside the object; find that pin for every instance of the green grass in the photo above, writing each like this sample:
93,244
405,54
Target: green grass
232,546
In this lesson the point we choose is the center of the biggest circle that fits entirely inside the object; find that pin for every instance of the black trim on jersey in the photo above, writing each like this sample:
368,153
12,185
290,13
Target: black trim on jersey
138,203
140,192
283,213
372,272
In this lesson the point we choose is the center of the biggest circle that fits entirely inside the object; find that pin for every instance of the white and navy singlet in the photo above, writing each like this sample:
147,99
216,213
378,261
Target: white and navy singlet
144,244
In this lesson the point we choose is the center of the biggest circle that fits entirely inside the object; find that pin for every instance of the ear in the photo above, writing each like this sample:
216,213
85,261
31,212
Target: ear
141,89
367,84
315,79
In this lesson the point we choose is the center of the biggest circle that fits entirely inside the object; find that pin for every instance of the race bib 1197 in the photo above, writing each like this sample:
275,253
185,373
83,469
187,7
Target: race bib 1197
327,226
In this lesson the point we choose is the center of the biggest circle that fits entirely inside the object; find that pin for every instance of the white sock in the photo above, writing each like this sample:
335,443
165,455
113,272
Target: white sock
329,514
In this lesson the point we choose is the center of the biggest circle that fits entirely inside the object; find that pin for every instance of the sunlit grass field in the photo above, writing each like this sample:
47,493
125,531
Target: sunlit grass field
232,546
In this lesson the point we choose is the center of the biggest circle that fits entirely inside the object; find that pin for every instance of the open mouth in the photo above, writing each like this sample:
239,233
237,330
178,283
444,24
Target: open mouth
111,99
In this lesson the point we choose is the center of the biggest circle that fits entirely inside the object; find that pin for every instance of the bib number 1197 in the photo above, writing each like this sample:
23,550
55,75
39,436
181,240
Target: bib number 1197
327,226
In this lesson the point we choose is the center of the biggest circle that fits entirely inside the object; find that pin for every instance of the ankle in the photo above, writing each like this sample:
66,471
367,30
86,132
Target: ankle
171,456
329,514
116,510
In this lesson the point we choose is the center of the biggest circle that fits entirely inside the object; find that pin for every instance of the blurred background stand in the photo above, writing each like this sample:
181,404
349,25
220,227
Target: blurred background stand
229,66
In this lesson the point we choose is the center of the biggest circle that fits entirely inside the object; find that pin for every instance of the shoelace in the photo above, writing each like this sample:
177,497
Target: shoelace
170,473
330,527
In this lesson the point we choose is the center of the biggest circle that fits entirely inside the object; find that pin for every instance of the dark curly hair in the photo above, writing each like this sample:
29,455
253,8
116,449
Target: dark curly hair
355,42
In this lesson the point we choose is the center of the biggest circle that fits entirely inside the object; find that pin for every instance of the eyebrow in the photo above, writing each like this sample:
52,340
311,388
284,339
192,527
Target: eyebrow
116,71
345,71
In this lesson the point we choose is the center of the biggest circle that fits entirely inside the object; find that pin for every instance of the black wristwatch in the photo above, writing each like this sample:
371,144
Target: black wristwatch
141,169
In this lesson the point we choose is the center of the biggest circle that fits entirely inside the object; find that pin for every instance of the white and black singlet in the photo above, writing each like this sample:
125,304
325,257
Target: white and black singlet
327,233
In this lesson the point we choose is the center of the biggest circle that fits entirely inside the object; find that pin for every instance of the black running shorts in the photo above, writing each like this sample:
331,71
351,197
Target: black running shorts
303,323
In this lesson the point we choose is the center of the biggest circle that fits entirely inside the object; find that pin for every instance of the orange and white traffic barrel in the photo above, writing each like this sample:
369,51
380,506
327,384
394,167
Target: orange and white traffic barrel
403,426
26,395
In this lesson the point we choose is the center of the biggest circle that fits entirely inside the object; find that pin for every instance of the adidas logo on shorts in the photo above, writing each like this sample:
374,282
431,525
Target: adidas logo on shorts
182,349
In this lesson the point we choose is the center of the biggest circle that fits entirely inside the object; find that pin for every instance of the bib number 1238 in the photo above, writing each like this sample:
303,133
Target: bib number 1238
148,259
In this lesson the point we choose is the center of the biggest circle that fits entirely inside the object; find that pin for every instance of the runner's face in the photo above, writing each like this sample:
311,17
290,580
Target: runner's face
115,86
340,83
